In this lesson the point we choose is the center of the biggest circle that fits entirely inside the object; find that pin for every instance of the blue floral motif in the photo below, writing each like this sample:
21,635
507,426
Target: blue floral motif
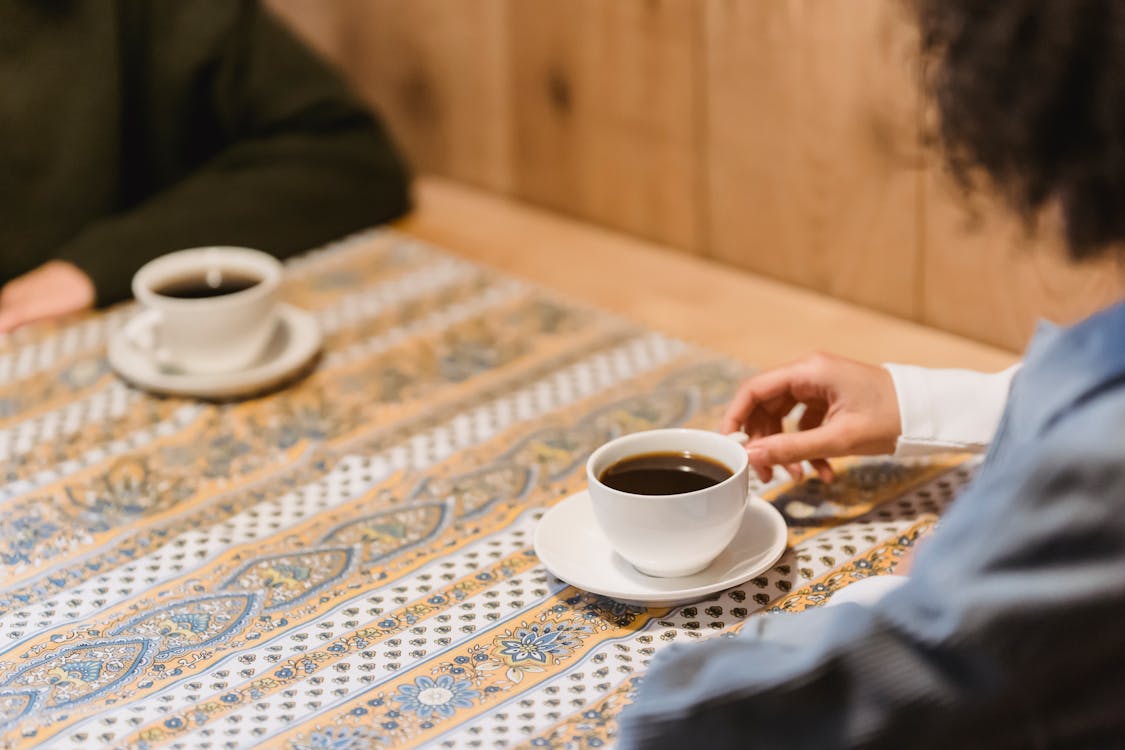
289,570
196,622
129,489
536,643
79,673
339,738
388,533
289,578
23,535
86,671
620,614
192,624
310,419
16,704
428,697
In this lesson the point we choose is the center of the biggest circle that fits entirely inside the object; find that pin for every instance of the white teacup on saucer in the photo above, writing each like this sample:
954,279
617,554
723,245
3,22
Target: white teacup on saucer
201,322
671,535
212,326
571,544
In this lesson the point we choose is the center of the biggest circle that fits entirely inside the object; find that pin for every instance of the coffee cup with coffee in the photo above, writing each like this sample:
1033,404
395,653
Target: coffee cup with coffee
670,500
214,308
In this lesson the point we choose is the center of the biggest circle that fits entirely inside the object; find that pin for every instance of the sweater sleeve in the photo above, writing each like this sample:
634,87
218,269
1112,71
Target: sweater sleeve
303,161
948,410
1007,634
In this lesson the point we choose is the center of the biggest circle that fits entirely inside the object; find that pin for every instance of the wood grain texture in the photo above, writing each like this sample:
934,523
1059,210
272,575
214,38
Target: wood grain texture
758,320
606,107
986,278
775,135
442,72
437,70
812,145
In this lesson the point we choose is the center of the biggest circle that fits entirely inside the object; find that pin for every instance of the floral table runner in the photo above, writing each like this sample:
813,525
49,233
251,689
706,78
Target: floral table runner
346,564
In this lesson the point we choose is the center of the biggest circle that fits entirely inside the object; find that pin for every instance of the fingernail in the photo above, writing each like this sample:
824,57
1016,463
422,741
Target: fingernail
756,455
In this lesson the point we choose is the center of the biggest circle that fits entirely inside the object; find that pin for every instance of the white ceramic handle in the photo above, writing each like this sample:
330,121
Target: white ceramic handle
148,341
739,437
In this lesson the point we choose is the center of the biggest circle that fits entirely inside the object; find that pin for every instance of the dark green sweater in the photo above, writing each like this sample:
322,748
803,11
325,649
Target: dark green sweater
135,127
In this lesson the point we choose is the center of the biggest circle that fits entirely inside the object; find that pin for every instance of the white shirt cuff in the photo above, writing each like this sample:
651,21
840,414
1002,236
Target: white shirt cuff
948,410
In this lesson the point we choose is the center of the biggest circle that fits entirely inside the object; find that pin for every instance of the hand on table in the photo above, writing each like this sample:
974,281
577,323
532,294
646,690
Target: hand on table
850,408
52,290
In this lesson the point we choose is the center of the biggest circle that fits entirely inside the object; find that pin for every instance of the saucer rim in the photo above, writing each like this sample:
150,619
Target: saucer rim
676,597
306,339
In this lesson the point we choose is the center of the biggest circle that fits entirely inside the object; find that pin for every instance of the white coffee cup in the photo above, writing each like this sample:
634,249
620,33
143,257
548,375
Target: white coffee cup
222,333
669,536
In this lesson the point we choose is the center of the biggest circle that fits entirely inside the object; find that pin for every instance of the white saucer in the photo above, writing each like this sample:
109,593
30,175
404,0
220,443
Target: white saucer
570,543
295,342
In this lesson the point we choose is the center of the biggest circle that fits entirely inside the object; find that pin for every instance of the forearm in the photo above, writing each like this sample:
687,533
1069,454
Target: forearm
825,679
979,649
283,195
287,157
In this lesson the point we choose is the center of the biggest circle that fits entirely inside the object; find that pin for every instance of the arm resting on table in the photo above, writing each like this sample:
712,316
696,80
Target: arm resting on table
304,163
1007,635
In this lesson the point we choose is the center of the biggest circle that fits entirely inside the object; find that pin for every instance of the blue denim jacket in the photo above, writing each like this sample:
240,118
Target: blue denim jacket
1010,631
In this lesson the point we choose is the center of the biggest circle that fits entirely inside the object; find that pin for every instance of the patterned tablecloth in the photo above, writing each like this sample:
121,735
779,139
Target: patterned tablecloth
347,564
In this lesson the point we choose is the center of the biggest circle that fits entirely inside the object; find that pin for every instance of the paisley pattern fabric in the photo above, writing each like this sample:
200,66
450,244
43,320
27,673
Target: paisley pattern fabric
347,564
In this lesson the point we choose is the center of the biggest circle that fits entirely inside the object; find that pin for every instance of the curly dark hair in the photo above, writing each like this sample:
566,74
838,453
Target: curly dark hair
1031,103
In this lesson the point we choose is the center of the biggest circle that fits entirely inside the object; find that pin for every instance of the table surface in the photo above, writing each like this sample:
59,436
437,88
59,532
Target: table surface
751,318
347,563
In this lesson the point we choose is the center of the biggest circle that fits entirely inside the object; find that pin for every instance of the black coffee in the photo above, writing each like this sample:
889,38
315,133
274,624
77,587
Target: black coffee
664,474
210,284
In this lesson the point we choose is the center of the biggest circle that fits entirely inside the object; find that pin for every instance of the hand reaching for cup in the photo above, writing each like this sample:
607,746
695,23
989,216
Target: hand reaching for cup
851,408
52,290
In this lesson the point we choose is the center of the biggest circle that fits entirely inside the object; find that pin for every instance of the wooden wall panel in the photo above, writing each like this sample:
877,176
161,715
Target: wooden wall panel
437,70
812,145
606,108
777,135
987,279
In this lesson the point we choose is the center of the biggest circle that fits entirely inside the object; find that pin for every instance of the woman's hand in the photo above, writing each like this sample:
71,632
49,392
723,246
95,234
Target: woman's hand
850,408
52,290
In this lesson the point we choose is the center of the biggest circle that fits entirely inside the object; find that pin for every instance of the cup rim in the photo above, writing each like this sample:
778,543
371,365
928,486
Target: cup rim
591,476
269,267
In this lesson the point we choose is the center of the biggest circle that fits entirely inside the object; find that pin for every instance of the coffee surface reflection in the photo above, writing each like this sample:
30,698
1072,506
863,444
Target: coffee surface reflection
203,285
664,474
